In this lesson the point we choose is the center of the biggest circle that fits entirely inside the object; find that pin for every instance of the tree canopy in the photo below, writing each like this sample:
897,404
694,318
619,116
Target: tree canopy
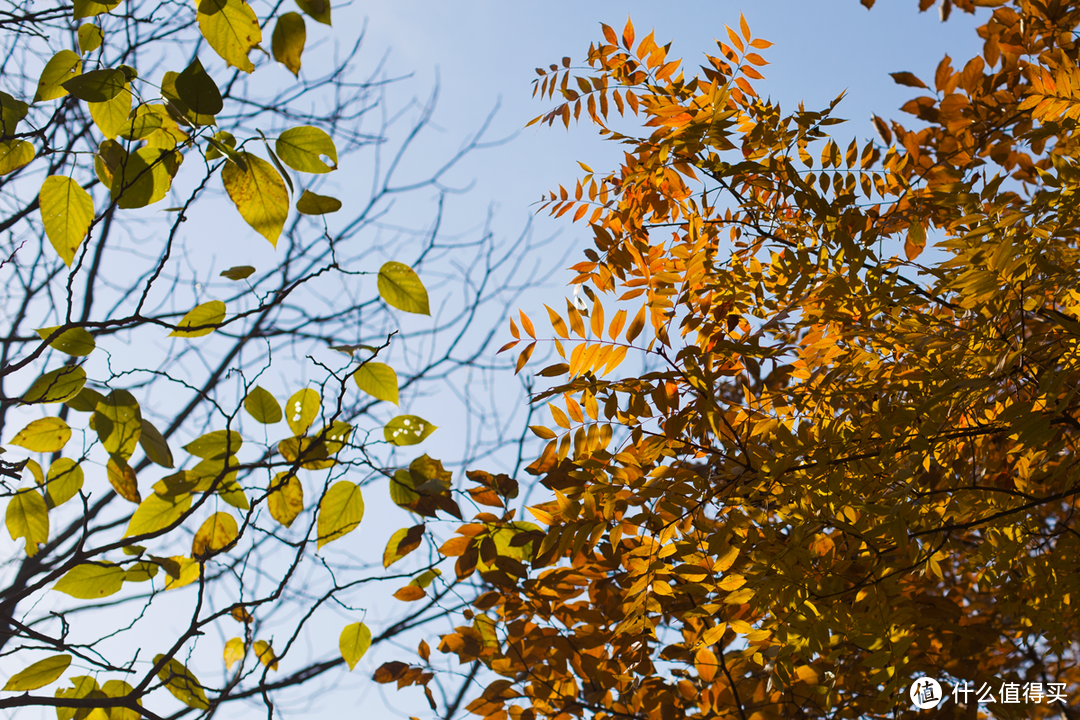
851,459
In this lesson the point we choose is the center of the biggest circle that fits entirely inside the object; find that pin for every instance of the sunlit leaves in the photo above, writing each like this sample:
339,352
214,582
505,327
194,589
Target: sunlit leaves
407,430
15,154
96,86
156,513
63,482
44,435
340,511
56,385
90,37
75,341
231,28
91,581
302,148
90,8
39,674
301,410
214,535
118,422
234,652
155,445
259,194
28,517
180,681
313,204
401,543
354,641
215,445
318,10
122,478
201,320
378,380
916,240
265,653
144,178
61,67
262,406
287,41
286,499
66,211
400,287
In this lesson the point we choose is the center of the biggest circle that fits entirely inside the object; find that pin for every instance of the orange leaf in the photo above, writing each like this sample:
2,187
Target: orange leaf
409,593
628,34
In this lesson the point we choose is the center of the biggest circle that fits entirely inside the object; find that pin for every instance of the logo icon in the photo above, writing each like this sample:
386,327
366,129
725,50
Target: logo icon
926,693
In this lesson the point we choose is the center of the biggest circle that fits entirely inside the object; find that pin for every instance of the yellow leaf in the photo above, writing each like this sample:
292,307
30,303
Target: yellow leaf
234,652
340,512
91,581
215,445
407,430
265,653
317,10
90,8
400,287
156,513
259,194
28,517
354,641
301,410
287,500
262,406
378,380
144,178
916,240
61,67
64,480
118,422
312,204
181,682
205,318
90,37
45,435
231,28
66,212
122,478
97,85
39,674
76,341
15,154
215,534
287,41
155,445
56,385
302,148
188,570
401,543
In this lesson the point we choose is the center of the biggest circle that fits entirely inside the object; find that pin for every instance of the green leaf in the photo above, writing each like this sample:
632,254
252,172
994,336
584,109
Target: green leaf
287,41
61,67
12,112
84,686
76,341
222,144
301,410
39,674
216,445
141,571
144,178
56,385
231,28
286,501
90,8
205,317
44,435
219,530
340,512
156,513
407,430
90,37
118,422
86,400
259,194
178,109
378,380
403,489
198,90
317,10
155,445
15,154
63,482
401,288
96,85
401,543
66,211
354,642
301,149
28,517
180,681
237,273
262,406
141,124
91,581
312,204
